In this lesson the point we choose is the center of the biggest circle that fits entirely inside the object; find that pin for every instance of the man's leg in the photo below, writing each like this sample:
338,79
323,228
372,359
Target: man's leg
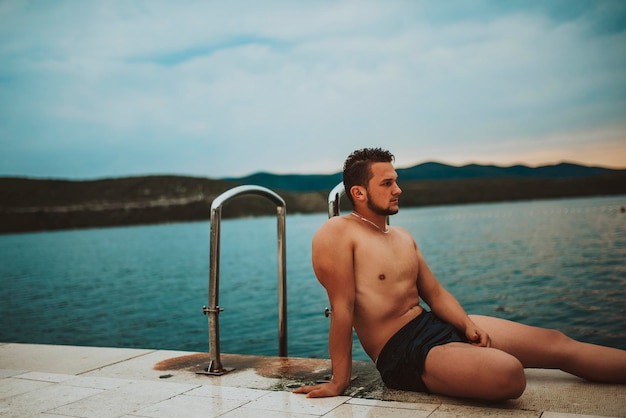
547,348
468,371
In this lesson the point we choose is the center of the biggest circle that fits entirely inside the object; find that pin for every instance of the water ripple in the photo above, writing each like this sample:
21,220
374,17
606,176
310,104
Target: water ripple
559,264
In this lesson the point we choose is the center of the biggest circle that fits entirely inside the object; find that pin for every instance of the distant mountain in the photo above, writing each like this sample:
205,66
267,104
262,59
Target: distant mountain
291,182
425,171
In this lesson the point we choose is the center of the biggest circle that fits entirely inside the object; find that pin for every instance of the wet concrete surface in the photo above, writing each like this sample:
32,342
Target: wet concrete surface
290,372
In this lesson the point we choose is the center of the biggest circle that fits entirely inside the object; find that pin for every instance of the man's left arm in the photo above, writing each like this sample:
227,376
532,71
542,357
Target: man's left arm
446,306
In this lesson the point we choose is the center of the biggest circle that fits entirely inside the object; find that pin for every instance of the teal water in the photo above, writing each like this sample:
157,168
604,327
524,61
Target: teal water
556,263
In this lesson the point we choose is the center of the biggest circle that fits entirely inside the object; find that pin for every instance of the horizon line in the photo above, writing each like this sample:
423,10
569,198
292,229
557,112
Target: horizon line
230,178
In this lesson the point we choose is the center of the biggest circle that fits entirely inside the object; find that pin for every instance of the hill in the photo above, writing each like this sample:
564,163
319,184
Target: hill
424,171
40,204
44,204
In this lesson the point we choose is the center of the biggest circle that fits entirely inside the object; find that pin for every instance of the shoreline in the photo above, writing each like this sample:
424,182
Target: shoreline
47,205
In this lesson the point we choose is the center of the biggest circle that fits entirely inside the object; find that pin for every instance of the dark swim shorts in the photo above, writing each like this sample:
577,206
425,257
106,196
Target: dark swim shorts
401,361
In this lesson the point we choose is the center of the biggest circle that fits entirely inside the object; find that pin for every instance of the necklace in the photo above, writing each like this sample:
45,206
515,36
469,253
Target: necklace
384,231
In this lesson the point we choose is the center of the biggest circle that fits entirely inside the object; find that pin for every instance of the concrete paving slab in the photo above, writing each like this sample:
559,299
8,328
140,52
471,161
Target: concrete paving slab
566,415
10,372
42,399
140,367
62,358
296,403
465,411
375,408
123,400
97,382
225,392
557,391
244,412
190,407
45,377
12,387
350,410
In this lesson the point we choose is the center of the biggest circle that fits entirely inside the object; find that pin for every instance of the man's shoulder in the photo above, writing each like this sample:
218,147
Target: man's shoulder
338,220
337,227
336,223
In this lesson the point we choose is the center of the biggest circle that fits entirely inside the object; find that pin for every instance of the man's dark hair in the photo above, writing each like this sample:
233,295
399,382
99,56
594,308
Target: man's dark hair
356,169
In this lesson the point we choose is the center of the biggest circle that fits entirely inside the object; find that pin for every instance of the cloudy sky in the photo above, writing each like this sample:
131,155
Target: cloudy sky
92,89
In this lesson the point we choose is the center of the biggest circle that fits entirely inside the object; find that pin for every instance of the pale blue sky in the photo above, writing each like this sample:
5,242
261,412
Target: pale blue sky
92,89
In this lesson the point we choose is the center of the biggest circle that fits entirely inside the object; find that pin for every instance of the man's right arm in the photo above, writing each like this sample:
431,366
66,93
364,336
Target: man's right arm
332,262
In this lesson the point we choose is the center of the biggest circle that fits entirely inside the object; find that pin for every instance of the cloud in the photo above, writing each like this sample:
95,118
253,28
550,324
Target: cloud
91,89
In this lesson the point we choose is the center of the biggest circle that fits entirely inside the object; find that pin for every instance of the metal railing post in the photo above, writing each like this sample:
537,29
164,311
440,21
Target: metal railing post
282,281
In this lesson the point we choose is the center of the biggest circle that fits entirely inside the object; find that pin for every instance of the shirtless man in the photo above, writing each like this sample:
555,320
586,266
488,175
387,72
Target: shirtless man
375,275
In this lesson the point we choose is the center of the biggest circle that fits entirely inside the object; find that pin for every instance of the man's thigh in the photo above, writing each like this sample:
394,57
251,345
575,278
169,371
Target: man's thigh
465,370
533,346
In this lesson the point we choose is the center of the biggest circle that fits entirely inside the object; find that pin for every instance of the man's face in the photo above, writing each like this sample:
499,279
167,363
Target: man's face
382,189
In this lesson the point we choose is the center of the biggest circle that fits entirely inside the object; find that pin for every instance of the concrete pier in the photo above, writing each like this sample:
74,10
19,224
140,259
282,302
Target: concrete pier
69,381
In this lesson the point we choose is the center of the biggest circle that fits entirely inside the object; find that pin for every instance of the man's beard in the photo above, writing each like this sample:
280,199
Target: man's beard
379,210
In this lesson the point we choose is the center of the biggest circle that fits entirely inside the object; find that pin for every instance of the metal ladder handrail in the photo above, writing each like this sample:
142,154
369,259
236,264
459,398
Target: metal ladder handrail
215,365
333,199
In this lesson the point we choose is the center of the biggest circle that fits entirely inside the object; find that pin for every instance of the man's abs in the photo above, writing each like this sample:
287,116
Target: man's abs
374,333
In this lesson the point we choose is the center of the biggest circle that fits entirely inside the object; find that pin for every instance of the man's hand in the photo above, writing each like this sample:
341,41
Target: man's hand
322,390
477,336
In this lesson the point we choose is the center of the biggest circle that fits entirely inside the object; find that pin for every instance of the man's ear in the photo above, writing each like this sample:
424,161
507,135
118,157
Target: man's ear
357,192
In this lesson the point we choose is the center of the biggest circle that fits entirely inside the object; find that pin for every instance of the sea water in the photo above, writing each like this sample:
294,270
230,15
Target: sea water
552,263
